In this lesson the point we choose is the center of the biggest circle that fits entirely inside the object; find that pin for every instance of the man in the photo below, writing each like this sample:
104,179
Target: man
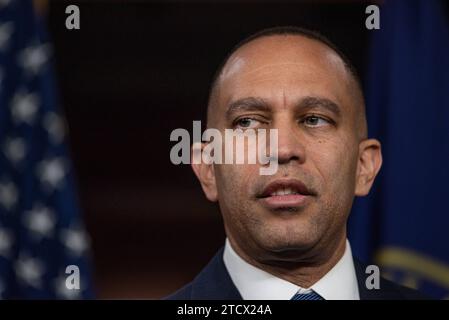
286,233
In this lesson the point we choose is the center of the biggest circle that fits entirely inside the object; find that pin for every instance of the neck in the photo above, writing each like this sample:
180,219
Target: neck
305,269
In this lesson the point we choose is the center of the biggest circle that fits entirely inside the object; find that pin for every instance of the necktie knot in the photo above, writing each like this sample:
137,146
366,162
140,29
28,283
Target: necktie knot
312,295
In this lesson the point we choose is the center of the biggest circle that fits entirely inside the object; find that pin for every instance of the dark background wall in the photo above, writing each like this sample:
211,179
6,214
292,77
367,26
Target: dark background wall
134,72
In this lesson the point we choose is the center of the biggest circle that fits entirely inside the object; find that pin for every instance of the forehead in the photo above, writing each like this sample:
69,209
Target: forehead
284,67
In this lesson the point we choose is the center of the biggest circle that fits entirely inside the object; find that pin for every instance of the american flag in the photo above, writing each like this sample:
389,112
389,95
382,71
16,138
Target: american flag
42,237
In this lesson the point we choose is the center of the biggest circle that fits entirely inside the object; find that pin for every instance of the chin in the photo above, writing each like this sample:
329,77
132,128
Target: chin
288,238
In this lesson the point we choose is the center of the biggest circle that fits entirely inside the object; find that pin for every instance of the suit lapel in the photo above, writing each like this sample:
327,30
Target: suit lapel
214,282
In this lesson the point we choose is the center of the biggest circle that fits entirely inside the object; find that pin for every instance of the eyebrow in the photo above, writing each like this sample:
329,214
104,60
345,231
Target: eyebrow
319,102
247,104
259,104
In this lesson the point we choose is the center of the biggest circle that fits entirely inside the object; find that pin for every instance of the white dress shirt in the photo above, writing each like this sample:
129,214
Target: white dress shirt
340,283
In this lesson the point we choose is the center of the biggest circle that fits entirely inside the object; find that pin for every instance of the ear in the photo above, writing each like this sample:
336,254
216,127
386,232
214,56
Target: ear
204,172
370,161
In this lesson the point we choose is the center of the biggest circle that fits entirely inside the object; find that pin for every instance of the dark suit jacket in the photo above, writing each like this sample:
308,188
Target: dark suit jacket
214,283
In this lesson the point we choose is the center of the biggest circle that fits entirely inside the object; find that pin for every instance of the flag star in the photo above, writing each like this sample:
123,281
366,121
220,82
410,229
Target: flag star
8,195
6,30
14,149
24,107
63,292
40,220
5,243
75,240
33,58
29,270
52,172
55,127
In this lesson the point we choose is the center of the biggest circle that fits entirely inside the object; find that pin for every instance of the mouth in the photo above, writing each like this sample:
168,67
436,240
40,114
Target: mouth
288,194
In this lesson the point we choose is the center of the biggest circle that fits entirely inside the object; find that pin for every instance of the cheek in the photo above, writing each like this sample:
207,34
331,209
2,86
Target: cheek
234,180
336,163
233,185
334,166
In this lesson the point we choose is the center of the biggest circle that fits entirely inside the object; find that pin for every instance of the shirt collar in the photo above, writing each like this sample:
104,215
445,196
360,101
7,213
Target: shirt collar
340,283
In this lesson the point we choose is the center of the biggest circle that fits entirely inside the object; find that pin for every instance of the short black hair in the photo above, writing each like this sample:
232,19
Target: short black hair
288,30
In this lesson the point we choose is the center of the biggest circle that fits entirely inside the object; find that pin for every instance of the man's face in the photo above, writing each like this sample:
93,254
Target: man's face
301,88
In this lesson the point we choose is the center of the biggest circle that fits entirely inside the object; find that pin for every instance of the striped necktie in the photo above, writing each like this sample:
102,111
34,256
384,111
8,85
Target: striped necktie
312,295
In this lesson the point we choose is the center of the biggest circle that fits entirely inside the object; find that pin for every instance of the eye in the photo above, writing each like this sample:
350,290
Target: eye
246,123
315,121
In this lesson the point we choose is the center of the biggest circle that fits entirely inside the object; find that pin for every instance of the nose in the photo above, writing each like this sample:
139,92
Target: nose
290,145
